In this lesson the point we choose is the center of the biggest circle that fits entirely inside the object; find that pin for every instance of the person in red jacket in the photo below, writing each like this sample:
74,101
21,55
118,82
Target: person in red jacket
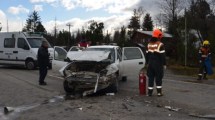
83,43
155,58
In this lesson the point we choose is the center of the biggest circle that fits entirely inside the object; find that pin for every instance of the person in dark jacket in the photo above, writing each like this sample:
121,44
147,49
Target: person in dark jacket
155,58
43,62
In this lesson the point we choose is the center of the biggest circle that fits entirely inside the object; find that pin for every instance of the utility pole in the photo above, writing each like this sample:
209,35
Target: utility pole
7,26
55,32
69,25
185,35
0,26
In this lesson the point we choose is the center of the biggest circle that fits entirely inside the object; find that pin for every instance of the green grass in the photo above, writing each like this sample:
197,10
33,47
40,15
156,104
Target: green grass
189,71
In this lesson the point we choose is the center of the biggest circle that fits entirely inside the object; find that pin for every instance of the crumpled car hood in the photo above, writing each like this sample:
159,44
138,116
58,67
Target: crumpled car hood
89,56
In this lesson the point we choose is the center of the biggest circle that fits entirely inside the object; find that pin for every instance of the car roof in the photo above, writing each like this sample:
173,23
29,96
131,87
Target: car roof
103,46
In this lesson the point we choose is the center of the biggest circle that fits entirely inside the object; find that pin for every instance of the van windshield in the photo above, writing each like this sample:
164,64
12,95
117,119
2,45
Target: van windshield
36,42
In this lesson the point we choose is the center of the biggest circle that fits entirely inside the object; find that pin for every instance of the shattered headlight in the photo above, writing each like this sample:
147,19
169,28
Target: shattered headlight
103,72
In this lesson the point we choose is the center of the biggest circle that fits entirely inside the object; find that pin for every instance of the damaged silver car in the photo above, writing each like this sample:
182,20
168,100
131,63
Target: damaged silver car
98,67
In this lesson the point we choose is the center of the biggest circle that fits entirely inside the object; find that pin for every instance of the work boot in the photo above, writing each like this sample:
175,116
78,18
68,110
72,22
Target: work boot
150,91
159,92
42,83
204,77
199,77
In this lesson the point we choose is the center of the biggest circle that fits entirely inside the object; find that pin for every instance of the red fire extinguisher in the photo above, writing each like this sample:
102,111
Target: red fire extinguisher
142,83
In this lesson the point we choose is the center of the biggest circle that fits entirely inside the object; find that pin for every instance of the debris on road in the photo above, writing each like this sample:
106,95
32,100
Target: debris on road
125,107
80,109
8,110
203,116
149,102
172,109
110,94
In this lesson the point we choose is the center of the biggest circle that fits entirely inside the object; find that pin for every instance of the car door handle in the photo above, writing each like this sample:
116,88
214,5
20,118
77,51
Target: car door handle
140,63
15,51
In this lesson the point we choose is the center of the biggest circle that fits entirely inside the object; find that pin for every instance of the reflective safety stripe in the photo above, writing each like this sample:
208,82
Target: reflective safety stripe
204,55
155,48
150,88
159,87
163,51
200,74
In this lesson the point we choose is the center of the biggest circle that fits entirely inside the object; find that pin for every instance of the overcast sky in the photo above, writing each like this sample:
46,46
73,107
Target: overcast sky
114,13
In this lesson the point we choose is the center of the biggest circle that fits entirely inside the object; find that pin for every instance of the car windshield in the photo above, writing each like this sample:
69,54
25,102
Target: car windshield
111,50
36,42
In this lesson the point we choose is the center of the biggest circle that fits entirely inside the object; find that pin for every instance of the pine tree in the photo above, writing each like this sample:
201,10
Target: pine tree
33,23
147,23
134,21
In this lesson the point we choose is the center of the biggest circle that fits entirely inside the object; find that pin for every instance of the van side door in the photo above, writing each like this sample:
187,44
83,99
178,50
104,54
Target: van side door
22,50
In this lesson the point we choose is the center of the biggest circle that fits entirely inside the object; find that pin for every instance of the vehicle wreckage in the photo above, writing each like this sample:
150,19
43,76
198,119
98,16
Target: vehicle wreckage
97,67
89,72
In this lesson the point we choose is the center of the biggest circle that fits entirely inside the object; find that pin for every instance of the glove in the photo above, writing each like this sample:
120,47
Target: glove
200,61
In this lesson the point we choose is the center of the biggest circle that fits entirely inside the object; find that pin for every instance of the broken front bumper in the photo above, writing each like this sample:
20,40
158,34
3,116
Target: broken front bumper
90,81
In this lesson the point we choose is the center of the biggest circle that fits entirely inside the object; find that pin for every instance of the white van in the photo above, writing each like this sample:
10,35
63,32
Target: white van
20,48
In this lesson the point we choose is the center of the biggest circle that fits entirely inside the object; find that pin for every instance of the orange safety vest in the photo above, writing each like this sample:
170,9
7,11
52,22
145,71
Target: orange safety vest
155,47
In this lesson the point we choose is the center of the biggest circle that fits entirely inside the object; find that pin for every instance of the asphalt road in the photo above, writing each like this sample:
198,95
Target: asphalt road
19,90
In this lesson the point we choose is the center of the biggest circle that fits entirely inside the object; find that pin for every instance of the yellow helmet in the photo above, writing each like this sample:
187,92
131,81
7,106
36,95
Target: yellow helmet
206,42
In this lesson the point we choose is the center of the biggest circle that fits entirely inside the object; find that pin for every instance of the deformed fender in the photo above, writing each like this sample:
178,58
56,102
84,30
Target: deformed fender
112,68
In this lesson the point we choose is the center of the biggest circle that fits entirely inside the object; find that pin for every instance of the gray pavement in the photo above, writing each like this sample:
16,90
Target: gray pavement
19,89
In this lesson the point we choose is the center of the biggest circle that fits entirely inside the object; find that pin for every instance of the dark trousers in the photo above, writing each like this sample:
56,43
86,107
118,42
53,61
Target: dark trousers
155,73
202,69
43,72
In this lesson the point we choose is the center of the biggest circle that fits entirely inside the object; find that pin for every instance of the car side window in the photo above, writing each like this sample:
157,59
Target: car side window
74,49
9,43
59,54
132,53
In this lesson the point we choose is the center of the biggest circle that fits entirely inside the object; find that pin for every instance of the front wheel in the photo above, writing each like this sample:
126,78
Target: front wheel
30,65
115,86
68,87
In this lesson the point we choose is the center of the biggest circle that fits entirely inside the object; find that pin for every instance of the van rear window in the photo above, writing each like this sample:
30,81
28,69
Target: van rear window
9,42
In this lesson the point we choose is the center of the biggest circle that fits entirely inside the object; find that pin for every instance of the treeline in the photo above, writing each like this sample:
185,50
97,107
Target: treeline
190,19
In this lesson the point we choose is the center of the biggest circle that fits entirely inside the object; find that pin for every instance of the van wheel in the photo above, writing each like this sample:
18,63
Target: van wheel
30,65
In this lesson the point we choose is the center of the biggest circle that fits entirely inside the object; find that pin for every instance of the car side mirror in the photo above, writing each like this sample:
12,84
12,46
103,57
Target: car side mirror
67,60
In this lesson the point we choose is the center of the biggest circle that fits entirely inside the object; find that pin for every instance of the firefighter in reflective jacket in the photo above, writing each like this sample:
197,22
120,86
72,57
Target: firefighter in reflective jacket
156,61
204,52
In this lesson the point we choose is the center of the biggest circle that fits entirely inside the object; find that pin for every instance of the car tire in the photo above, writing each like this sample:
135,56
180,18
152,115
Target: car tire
115,86
30,64
67,87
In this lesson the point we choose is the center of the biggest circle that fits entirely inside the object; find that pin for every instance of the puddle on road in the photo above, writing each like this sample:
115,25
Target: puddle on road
11,113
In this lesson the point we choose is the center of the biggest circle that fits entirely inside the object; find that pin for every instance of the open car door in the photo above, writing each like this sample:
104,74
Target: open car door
59,59
133,61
